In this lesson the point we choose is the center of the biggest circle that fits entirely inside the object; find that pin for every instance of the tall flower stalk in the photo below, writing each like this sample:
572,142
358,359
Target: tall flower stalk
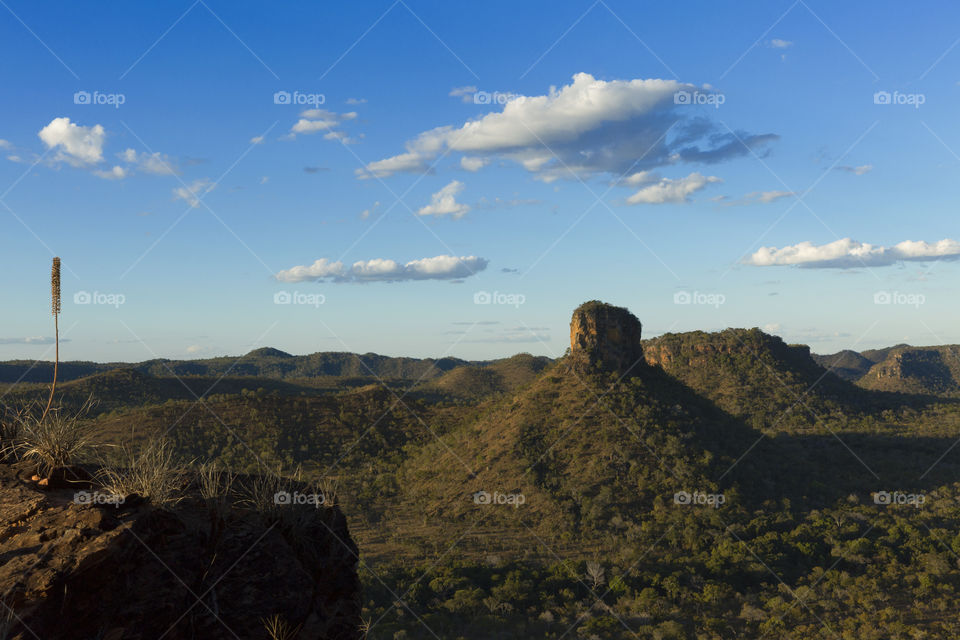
55,307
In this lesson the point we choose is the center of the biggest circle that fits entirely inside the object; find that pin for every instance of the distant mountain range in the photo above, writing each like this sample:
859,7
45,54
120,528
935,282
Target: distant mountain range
261,363
901,368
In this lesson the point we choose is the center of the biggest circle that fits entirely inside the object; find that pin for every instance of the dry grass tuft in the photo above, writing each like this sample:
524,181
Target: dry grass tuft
151,472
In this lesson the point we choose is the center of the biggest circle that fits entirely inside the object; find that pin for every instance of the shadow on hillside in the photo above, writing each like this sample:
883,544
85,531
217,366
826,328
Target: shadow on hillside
815,469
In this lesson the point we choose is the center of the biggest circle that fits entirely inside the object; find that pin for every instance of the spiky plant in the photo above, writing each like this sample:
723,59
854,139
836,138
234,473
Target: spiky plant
55,307
279,629
151,472
56,439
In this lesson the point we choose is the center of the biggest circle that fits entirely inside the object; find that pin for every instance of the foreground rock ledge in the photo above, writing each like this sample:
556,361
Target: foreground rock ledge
76,571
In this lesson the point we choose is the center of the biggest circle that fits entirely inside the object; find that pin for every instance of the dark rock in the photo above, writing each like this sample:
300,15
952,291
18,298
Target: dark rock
72,570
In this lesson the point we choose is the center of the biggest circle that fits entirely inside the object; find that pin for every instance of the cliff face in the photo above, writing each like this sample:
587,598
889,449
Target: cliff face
917,370
73,570
696,348
606,337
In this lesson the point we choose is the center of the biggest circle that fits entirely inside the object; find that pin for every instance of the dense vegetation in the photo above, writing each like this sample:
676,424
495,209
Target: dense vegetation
726,491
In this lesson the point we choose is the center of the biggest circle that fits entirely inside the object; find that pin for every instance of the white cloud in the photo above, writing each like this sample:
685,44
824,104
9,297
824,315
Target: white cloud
366,213
193,192
668,190
76,145
777,43
586,127
155,163
317,120
356,100
755,197
411,162
444,202
858,171
256,140
117,173
29,340
473,164
385,270
5,144
850,254
464,93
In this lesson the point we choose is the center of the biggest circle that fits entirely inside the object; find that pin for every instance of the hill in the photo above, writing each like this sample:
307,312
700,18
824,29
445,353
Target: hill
921,370
262,363
759,378
932,371
475,382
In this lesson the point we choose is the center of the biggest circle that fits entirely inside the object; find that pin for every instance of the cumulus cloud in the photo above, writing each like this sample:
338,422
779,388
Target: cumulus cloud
473,164
444,202
77,145
321,120
850,254
666,190
116,173
858,171
194,192
385,270
587,127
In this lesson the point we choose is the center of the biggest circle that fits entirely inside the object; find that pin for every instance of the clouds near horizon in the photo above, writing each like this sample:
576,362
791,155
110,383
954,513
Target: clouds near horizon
444,267
850,254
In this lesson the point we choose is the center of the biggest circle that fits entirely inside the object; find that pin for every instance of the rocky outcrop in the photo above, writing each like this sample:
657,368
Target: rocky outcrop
72,569
606,337
934,370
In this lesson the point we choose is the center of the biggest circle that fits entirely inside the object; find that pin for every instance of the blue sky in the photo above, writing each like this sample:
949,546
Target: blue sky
456,179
